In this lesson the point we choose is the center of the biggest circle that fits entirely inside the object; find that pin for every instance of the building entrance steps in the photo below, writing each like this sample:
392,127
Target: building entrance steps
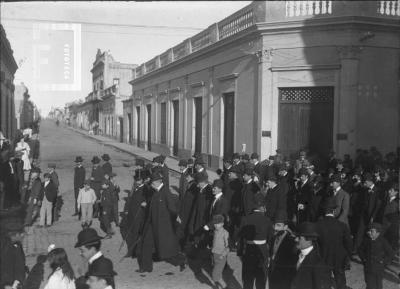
135,151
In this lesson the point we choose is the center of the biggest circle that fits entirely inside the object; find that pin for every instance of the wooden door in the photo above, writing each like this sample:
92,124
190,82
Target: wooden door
121,129
305,120
138,125
149,127
229,123
175,106
198,104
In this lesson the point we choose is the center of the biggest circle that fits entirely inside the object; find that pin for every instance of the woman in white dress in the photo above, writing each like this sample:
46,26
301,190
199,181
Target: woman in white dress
23,147
62,275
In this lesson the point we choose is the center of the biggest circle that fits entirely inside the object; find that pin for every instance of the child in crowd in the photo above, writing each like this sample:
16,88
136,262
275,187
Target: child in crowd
375,253
220,250
86,199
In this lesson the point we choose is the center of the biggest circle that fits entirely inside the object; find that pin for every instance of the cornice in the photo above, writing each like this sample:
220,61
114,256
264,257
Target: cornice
306,67
228,76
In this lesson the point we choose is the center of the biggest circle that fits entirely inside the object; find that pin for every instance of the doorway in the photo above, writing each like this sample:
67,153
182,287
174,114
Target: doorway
149,127
175,107
198,107
229,123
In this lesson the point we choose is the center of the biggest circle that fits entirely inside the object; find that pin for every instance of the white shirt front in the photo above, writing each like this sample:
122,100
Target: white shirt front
303,255
95,257
217,197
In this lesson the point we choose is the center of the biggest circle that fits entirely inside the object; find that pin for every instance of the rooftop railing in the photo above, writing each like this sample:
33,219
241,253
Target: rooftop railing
268,12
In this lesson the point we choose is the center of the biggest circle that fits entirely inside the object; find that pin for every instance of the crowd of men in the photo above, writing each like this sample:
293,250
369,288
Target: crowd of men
294,223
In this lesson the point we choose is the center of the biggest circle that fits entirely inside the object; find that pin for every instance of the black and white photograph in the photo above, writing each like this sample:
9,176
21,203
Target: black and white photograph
200,144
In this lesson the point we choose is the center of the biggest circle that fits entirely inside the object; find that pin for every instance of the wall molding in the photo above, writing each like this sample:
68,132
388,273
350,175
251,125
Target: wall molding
228,76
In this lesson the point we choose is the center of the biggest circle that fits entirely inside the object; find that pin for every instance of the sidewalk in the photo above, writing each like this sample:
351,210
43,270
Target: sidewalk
135,151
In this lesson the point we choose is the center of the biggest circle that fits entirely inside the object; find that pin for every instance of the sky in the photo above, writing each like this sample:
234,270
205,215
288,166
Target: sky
54,62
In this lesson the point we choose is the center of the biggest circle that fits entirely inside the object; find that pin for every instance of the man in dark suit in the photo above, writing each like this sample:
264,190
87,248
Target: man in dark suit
369,209
391,217
258,169
182,179
238,163
311,271
342,200
35,195
250,189
89,243
159,161
283,251
304,197
54,179
100,275
107,167
48,200
79,179
335,242
255,232
268,169
225,172
219,205
97,178
275,200
233,193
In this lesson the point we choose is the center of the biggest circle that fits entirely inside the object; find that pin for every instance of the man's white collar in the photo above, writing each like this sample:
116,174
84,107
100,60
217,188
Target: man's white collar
95,257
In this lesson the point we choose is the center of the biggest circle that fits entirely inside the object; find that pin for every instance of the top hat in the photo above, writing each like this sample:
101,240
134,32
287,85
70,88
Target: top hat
218,183
156,176
307,229
218,219
87,236
78,159
375,226
281,217
105,157
51,165
254,156
139,162
96,160
182,163
101,268
201,177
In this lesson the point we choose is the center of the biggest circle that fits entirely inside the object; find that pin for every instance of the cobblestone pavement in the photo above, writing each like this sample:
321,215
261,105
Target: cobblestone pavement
61,145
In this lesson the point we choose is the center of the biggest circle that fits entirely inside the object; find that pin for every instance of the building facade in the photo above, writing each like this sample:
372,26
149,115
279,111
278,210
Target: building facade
103,106
8,67
314,75
26,111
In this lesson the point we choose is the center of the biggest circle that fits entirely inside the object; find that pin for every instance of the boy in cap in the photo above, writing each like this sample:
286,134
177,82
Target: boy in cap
375,253
79,180
86,199
220,250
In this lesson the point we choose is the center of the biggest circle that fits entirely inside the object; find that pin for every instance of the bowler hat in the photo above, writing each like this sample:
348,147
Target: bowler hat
162,158
227,159
272,178
199,161
245,157
190,162
201,177
51,165
156,159
218,219
87,236
156,176
235,169
139,162
235,156
271,158
375,226
101,268
281,217
105,157
113,174
78,159
96,160
182,163
336,178
254,156
307,229
218,183
303,171
368,177
36,170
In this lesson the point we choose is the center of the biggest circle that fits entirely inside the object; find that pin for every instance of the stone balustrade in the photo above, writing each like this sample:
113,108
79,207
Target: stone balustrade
269,11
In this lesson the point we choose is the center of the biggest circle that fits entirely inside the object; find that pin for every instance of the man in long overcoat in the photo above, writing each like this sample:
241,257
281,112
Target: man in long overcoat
335,242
